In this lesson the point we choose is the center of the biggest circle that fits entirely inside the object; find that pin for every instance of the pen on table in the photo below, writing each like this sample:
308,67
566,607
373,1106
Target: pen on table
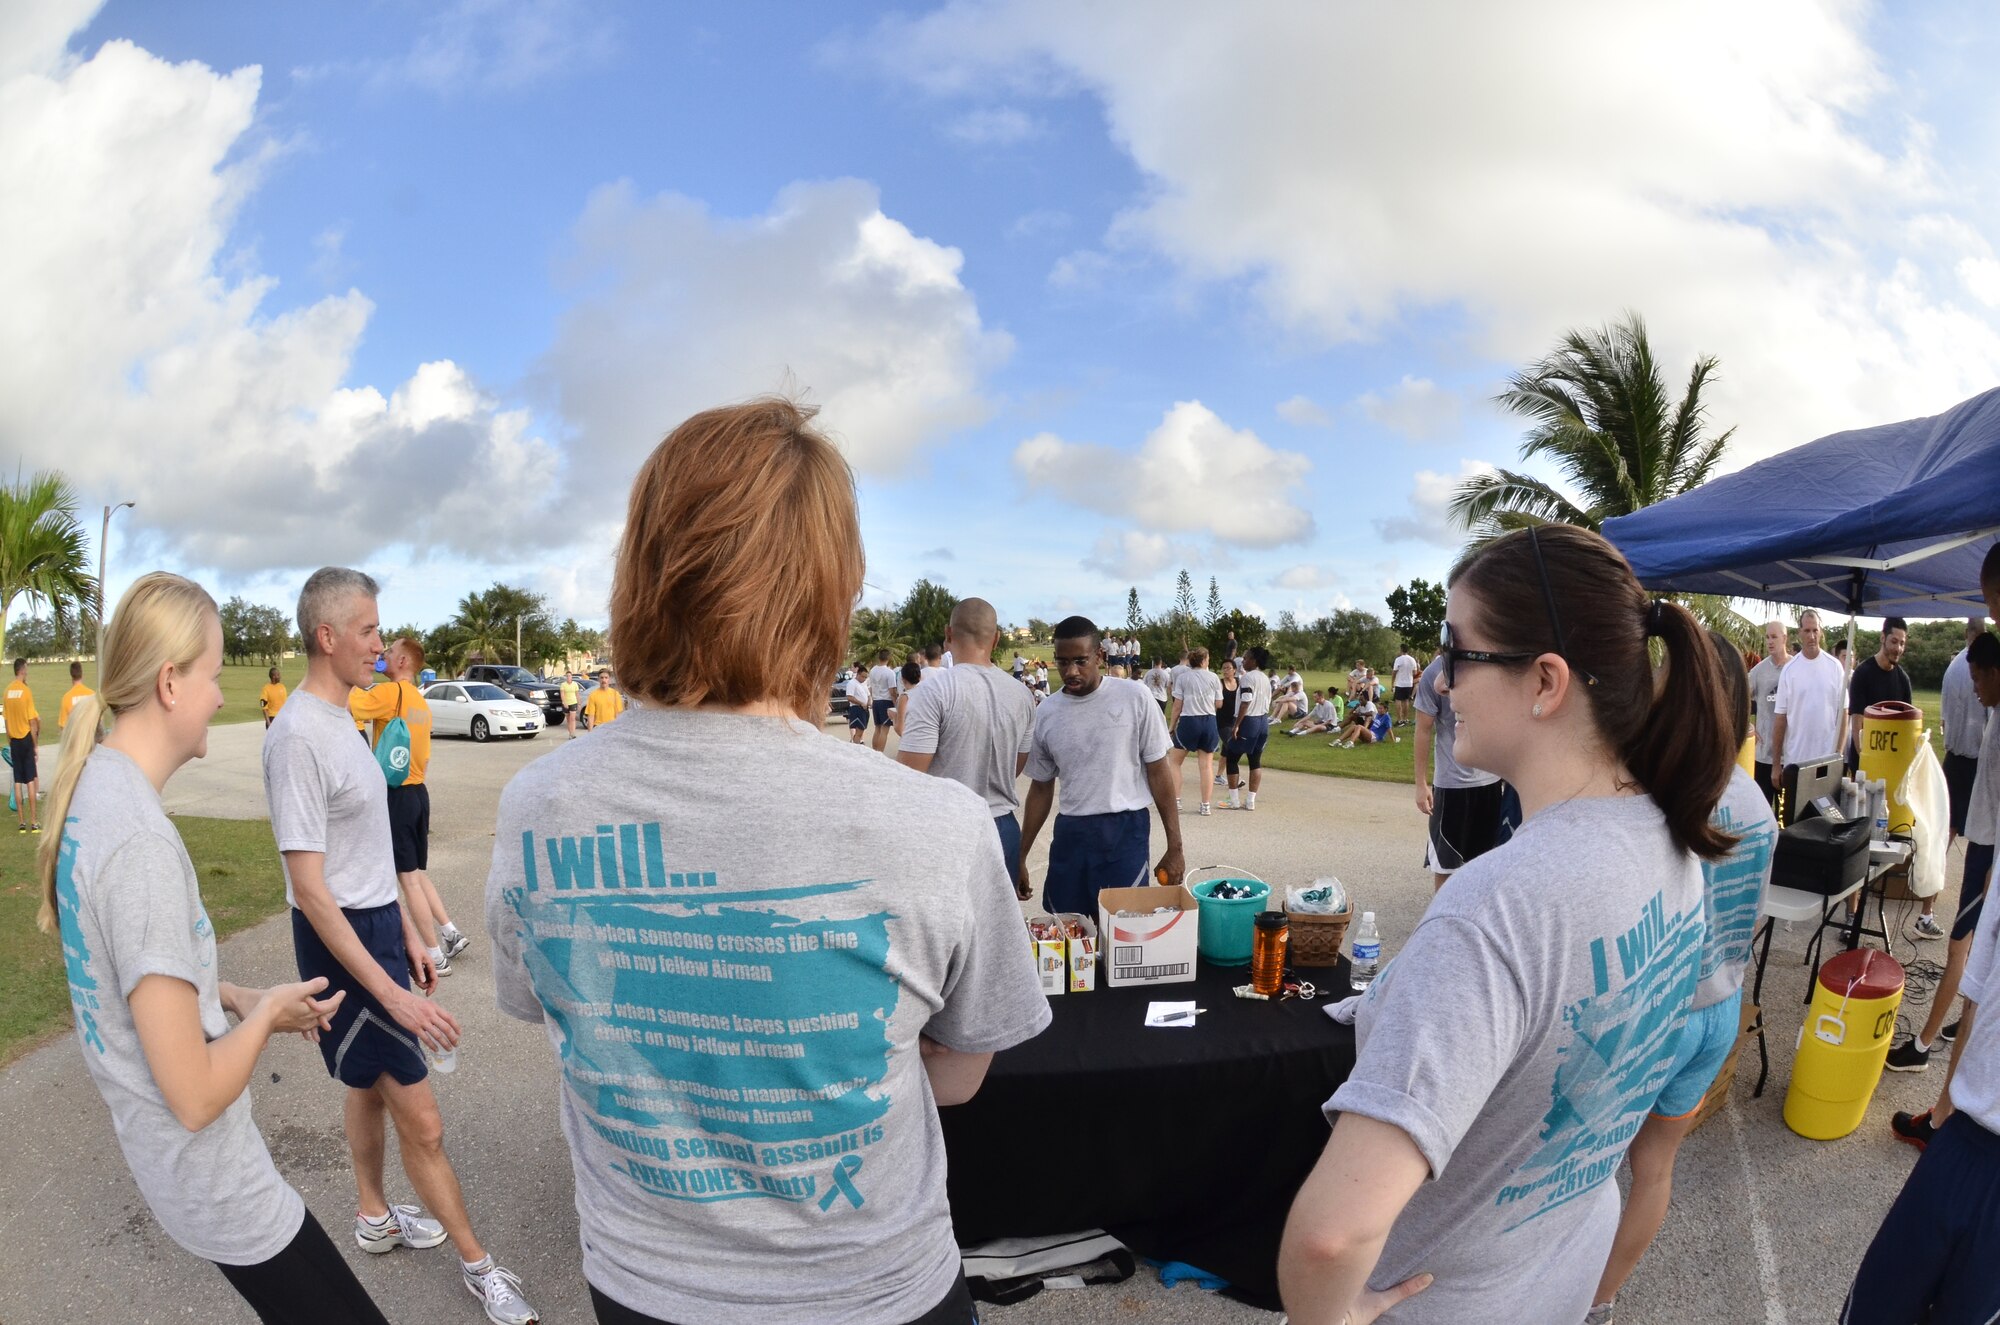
1182,1016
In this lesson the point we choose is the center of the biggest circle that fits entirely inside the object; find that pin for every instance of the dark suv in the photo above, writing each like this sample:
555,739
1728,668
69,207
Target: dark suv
525,685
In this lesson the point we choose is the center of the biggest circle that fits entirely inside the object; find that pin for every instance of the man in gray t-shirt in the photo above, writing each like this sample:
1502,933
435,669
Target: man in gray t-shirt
329,813
1104,737
1763,698
973,724
1466,806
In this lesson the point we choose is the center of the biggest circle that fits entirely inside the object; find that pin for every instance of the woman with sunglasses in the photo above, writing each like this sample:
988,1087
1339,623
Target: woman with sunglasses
1507,1057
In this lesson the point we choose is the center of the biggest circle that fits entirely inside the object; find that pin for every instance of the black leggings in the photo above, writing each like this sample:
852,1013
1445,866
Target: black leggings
956,1309
305,1284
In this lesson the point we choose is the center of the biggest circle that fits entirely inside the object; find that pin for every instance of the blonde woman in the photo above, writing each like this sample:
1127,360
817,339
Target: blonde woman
140,954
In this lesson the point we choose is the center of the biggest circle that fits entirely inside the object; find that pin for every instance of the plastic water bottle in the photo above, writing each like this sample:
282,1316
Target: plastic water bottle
1367,953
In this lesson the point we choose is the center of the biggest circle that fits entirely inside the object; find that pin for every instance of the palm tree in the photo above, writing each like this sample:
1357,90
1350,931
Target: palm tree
42,554
872,629
480,626
1600,411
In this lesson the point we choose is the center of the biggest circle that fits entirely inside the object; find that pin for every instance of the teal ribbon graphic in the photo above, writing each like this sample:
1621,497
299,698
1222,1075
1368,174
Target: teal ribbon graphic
842,1179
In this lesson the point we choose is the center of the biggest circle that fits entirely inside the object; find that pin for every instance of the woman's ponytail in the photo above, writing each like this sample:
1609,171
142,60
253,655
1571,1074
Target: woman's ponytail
162,619
86,722
1683,752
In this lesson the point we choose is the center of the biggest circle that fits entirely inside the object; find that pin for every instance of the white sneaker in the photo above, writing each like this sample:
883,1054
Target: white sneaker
454,942
499,1291
1204,807
403,1226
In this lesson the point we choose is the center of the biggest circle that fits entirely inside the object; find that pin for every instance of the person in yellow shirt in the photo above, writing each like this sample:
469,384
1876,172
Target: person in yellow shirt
570,691
24,728
272,697
77,690
604,704
410,804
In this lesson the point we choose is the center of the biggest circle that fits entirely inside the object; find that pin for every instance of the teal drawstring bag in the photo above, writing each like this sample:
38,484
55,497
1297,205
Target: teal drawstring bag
7,757
392,749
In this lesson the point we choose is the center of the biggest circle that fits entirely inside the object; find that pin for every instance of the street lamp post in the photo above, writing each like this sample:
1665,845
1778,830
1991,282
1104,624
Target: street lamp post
104,537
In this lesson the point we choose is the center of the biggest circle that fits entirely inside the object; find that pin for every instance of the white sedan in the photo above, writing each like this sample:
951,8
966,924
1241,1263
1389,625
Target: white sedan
480,710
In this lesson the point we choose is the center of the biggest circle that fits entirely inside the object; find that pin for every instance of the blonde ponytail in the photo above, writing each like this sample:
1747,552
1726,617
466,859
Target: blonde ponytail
161,619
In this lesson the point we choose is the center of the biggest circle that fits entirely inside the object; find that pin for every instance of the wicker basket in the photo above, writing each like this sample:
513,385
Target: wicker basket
1316,939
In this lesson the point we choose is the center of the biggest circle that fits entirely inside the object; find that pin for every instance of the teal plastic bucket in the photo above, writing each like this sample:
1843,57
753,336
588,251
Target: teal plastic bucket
1228,925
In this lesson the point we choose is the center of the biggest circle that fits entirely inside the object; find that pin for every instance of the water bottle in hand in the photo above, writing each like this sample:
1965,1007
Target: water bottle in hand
1367,953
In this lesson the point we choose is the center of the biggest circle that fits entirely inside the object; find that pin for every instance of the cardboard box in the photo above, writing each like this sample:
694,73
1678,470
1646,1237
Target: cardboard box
1051,964
1148,949
1725,1080
1083,960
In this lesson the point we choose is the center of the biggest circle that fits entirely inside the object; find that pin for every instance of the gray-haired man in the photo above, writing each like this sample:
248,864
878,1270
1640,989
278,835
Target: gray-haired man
330,814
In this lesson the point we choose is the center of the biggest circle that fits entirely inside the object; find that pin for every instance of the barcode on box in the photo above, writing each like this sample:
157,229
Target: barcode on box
1150,972
1125,956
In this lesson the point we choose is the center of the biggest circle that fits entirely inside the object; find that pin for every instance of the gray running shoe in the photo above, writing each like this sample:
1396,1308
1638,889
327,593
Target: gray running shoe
1601,1314
1928,927
405,1226
454,943
443,963
499,1291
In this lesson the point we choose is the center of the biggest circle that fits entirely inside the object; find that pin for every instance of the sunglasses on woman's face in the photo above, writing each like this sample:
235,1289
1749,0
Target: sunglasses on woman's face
1453,655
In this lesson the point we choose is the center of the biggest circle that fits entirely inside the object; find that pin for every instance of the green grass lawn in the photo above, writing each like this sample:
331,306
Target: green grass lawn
242,881
50,681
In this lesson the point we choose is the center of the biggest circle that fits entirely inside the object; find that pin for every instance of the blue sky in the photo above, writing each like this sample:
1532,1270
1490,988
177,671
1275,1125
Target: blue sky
1088,293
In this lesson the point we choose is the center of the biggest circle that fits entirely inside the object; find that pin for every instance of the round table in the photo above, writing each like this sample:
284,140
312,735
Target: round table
1187,1144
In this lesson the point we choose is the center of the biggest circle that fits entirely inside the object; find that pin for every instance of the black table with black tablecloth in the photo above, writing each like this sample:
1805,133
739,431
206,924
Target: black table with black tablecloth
1185,1144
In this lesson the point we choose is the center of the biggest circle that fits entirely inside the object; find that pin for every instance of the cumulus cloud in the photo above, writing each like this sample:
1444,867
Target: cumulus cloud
823,295
1132,555
1782,215
1304,577
1303,411
1428,517
938,554
1192,474
993,126
1416,407
138,353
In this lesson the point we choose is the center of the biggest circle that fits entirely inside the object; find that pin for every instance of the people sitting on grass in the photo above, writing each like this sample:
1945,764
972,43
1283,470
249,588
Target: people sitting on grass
1320,718
1367,724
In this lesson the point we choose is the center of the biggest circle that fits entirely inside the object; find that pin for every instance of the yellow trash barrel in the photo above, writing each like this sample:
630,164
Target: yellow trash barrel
1746,754
1844,1043
1889,735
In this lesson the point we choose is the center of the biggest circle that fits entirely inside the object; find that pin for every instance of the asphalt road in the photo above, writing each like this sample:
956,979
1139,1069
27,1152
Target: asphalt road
1765,1226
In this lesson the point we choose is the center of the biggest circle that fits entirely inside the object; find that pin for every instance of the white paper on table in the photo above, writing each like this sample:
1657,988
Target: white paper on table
1170,1014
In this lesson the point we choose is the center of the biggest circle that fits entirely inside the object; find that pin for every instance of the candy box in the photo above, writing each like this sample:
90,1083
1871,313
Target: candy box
1055,939
1154,943
1083,958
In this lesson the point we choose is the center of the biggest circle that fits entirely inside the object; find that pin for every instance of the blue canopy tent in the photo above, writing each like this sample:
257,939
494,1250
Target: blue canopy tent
1891,520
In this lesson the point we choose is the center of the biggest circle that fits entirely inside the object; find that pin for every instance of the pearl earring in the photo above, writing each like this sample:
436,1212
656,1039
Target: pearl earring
1538,710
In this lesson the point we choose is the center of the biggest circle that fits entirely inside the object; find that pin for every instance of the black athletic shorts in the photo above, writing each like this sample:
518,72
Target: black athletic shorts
1402,693
1972,888
364,1041
1466,823
410,827
21,749
955,1309
1960,771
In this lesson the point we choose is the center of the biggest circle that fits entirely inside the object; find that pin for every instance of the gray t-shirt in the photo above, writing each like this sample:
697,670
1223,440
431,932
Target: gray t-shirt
130,907
1733,888
327,794
1520,1039
1099,746
1982,809
882,683
1964,715
975,723
1256,697
1158,682
1763,700
1975,1083
1446,771
736,1014
1199,691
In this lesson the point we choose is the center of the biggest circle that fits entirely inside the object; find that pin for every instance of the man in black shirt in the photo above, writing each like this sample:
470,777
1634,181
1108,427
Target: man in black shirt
1877,679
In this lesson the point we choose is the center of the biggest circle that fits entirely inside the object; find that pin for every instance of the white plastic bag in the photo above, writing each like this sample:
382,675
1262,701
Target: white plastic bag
1929,799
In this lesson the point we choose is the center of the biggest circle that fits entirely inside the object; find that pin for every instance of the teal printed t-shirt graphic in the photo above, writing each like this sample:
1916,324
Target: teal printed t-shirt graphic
1616,1061
1733,886
685,1006
76,954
